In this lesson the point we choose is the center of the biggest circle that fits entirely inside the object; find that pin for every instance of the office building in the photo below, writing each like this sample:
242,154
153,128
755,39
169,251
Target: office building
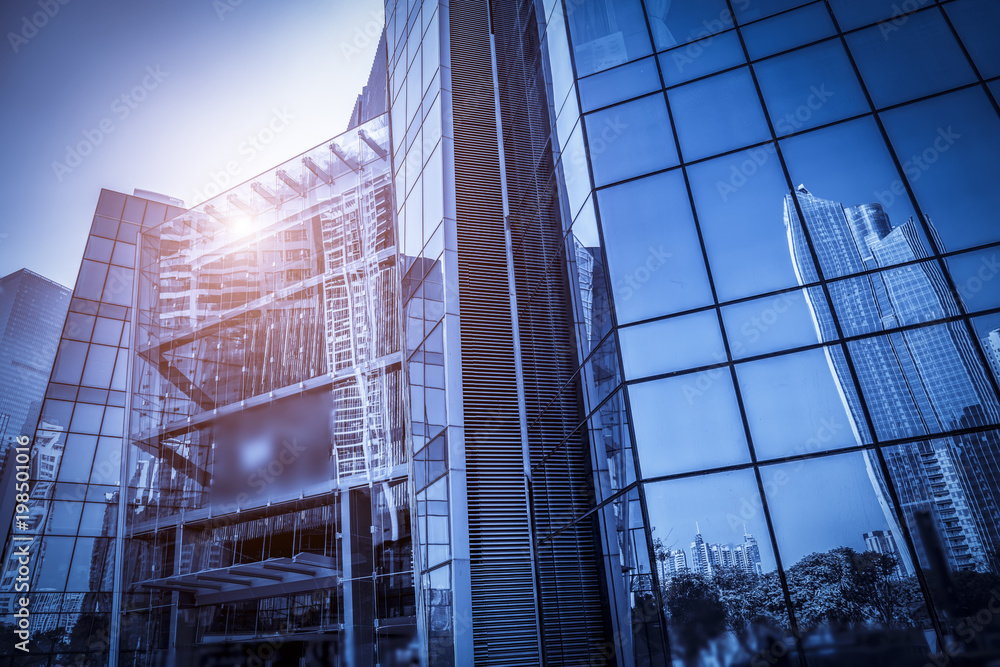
446,388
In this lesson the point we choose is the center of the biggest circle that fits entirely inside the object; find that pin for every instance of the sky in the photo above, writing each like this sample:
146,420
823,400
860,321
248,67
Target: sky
161,96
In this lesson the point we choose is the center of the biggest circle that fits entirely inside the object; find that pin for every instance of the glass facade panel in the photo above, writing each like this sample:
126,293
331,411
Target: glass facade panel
630,140
896,64
652,248
689,422
718,114
810,87
671,345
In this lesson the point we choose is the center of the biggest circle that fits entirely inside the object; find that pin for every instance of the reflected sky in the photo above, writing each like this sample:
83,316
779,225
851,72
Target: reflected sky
226,72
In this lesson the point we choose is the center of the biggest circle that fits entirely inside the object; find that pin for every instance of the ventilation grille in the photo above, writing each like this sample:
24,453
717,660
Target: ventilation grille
574,625
504,622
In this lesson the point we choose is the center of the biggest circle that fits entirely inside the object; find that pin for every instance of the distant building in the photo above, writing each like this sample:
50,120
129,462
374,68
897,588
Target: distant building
882,542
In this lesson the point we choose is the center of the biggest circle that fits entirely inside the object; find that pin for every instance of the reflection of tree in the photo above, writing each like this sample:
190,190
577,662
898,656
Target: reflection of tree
697,613
839,589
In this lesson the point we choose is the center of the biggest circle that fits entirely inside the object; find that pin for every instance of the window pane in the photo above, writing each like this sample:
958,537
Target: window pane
810,87
69,362
107,462
738,201
795,405
670,345
988,333
619,84
64,518
118,289
924,380
771,324
90,282
976,22
975,275
857,212
676,23
833,523
897,64
107,331
948,146
686,423
100,364
718,114
712,551
99,249
652,248
701,58
607,33
786,31
87,418
77,458
79,326
629,140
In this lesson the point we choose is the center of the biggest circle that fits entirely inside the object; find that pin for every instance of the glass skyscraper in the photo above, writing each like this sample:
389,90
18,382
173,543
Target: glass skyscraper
612,332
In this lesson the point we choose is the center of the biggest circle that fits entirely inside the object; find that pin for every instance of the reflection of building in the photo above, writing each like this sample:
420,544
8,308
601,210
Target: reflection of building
992,345
709,559
917,382
883,542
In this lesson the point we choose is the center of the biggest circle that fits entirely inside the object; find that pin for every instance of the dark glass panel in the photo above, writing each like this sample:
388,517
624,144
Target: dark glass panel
673,344
701,58
738,199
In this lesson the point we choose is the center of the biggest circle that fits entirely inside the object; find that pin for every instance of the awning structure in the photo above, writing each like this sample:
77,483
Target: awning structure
275,576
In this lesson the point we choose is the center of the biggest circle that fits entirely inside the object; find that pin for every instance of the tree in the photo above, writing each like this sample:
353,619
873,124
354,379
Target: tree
697,614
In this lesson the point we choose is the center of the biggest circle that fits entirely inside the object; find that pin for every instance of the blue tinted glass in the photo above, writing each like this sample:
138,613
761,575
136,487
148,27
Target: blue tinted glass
629,140
675,419
107,461
853,14
676,23
79,326
900,65
69,362
100,364
948,146
738,198
810,87
107,331
574,170
87,418
977,278
653,252
607,33
828,514
90,282
56,413
64,518
751,10
795,406
770,324
99,249
114,422
701,58
849,164
619,84
672,345
712,548
786,31
77,458
52,570
988,333
718,114
976,22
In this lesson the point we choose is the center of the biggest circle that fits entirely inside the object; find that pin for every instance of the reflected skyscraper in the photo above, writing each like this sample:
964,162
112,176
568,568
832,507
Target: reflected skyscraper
916,382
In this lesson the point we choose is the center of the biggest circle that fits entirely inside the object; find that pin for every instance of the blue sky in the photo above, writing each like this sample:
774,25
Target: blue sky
244,82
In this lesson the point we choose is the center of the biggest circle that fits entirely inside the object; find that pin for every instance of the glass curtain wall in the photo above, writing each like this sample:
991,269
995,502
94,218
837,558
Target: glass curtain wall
796,411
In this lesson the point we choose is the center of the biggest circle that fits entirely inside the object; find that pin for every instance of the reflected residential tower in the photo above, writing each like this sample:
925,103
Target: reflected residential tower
916,382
